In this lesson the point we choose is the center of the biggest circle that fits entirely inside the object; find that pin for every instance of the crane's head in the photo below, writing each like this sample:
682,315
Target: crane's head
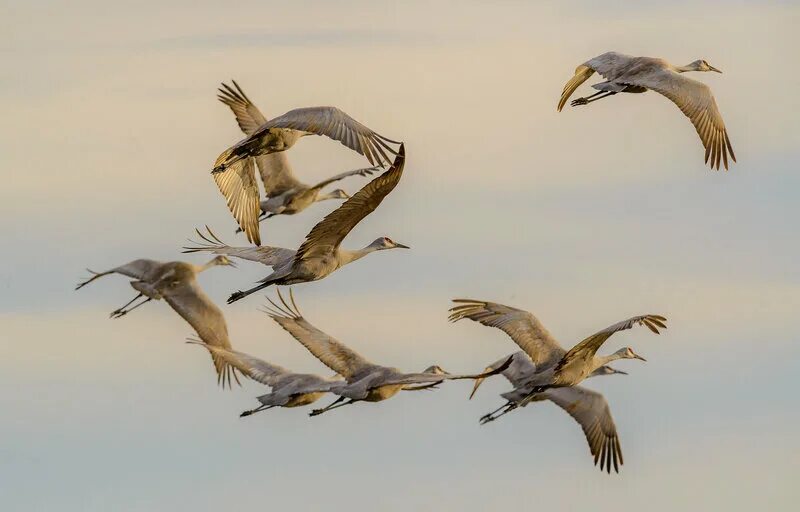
385,242
436,370
607,370
702,65
223,261
628,353
337,194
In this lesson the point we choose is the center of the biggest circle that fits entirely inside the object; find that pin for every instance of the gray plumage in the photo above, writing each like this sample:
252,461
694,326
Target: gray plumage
234,169
289,389
285,194
588,408
176,283
320,254
624,73
365,381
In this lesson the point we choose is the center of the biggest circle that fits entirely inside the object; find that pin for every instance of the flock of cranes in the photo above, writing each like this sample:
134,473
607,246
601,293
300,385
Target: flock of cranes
541,371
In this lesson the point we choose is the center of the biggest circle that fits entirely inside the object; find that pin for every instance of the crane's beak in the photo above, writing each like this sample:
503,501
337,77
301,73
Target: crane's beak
401,246
637,356
232,264
620,372
712,68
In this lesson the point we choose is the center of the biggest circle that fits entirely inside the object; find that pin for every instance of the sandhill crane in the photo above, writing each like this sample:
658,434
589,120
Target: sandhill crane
366,381
319,255
149,272
286,195
288,389
176,283
234,169
555,366
624,73
587,407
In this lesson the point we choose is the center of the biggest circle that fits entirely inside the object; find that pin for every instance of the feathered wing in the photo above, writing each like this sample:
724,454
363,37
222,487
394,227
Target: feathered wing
330,231
193,305
357,172
608,65
333,123
697,102
247,114
275,169
521,326
588,347
138,269
238,184
270,256
332,353
251,367
591,411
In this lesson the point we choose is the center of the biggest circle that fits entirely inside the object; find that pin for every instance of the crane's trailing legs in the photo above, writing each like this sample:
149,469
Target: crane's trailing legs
588,99
117,313
334,405
507,408
257,409
242,294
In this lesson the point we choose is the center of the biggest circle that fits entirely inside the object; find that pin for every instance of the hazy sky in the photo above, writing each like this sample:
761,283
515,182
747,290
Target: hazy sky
585,217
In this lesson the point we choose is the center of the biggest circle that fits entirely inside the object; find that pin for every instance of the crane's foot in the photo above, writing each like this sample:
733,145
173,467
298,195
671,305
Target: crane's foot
118,313
579,102
316,412
236,296
486,418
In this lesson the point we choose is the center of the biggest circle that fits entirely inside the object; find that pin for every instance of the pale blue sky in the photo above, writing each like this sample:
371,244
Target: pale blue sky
584,217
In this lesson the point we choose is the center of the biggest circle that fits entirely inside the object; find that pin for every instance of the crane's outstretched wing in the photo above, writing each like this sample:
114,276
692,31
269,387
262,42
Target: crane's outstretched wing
591,411
696,101
330,231
521,326
333,354
193,305
238,184
357,172
247,114
137,269
275,169
270,256
251,367
589,346
333,123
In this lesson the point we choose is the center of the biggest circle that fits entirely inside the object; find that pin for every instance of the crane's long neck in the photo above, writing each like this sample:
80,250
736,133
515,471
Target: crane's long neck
599,361
684,69
206,266
329,195
346,256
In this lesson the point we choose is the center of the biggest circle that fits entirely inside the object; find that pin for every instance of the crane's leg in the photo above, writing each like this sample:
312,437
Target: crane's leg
122,311
334,405
262,218
588,99
490,416
507,408
257,409
121,308
95,275
242,294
